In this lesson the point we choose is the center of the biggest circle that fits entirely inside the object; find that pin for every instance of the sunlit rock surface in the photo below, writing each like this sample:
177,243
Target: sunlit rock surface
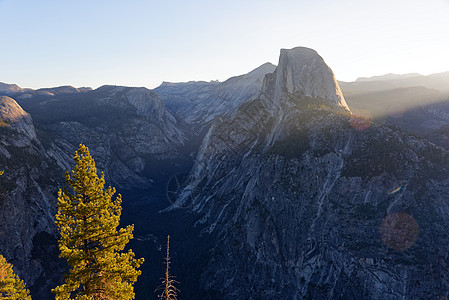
19,121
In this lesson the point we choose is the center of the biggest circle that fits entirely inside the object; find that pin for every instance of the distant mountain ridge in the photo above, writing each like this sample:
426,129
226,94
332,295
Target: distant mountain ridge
438,81
6,88
389,76
179,95
16,91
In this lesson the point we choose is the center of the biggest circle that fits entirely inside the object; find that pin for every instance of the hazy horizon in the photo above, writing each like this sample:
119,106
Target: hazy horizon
105,84
143,43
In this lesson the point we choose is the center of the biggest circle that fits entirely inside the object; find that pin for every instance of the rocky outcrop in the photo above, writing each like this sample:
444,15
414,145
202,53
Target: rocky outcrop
309,202
302,70
19,121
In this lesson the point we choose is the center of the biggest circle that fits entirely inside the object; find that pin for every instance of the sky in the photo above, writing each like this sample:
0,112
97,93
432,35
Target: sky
49,43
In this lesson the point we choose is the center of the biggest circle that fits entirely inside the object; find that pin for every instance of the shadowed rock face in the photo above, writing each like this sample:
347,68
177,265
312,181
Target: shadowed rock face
307,204
27,190
124,128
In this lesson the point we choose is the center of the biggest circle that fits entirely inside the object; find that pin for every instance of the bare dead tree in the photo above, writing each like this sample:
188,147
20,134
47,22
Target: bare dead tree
169,290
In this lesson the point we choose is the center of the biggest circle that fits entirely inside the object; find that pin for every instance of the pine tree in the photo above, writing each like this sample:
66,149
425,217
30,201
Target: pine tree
87,219
11,286
169,291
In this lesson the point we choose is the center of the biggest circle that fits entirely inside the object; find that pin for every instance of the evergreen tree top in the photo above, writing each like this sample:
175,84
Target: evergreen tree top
87,219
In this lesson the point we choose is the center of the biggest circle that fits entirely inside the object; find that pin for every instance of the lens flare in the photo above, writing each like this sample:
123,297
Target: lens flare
399,231
174,187
395,190
361,119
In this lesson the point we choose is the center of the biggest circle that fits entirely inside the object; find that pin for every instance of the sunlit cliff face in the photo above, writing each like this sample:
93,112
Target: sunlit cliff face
14,117
10,111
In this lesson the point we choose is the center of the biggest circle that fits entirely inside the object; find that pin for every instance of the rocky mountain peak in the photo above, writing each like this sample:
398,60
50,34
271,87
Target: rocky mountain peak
303,70
261,70
14,117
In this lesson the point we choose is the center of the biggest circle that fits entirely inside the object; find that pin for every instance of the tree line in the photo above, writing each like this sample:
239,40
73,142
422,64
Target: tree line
87,219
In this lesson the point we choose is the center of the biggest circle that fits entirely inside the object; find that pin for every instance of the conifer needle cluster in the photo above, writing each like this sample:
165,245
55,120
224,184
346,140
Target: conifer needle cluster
11,286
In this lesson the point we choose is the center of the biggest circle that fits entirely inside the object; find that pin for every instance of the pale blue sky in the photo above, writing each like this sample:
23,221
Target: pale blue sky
142,43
